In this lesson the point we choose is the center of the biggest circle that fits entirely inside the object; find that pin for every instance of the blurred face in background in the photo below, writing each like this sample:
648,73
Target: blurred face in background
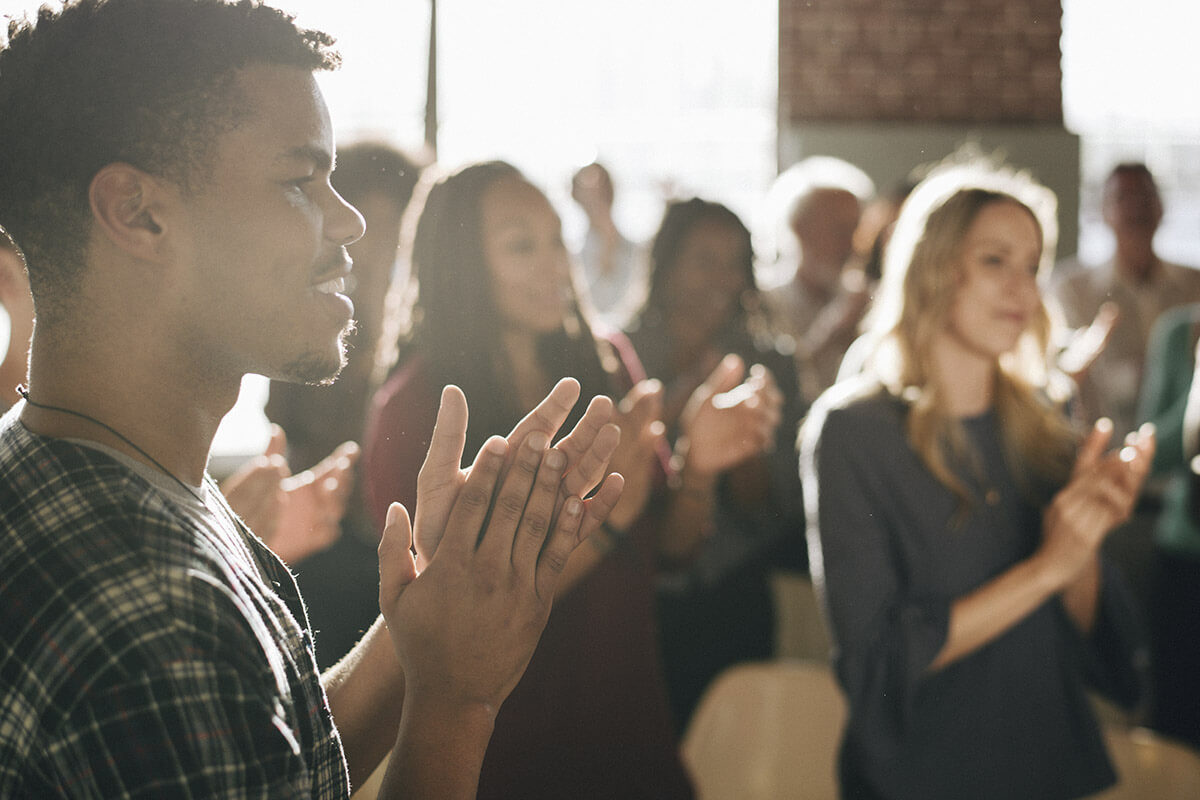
824,222
526,256
1132,203
997,297
708,278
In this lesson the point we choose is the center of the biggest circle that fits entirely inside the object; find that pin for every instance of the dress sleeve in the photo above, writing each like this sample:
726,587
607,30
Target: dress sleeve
1165,384
190,728
399,426
885,635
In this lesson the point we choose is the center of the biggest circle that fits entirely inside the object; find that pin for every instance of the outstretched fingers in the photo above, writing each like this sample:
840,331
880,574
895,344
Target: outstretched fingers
539,515
589,467
1114,481
441,476
1093,447
588,447
577,520
470,507
397,568
514,498
550,414
1138,456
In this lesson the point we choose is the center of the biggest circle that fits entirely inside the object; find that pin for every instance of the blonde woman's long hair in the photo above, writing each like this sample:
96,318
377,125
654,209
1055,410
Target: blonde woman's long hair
921,276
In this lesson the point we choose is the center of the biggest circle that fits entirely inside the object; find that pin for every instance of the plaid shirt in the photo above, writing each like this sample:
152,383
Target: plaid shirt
143,654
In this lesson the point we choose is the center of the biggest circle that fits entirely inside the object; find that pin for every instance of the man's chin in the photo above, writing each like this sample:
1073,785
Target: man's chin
318,369
312,370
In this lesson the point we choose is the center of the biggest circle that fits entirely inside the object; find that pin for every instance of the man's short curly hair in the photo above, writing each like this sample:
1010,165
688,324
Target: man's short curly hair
145,82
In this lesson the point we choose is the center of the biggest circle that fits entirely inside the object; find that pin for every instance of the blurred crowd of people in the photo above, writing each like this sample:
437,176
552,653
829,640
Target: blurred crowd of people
984,462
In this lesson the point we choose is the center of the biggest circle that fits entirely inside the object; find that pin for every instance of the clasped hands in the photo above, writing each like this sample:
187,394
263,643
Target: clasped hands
728,418
1101,494
296,515
466,587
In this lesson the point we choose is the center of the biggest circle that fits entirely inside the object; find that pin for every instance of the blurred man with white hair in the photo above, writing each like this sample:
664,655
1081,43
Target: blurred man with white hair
823,303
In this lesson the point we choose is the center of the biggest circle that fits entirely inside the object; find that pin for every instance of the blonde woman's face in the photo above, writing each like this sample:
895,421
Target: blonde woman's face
997,297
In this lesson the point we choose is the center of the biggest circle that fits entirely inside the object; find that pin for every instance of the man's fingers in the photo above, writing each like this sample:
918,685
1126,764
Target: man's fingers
561,544
471,504
397,568
576,522
581,444
597,414
440,469
441,474
589,467
496,544
539,511
597,507
550,414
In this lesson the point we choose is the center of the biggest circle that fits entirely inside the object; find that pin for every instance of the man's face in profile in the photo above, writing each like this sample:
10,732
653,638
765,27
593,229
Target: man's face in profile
265,236
1132,204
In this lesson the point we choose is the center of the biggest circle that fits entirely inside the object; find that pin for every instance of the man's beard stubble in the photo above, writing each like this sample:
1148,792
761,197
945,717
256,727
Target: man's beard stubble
313,369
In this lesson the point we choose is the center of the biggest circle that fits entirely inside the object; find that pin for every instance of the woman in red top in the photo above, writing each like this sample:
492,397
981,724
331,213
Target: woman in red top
492,309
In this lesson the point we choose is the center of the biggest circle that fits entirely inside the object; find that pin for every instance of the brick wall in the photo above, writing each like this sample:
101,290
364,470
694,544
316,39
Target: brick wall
960,61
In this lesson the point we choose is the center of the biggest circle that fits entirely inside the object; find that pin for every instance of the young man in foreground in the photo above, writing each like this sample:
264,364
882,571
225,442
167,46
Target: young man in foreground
165,172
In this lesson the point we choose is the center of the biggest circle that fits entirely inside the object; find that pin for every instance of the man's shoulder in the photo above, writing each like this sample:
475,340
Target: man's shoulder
1083,282
55,493
1185,278
101,575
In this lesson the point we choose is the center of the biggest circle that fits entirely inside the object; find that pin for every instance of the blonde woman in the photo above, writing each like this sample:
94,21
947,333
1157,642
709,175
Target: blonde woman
955,519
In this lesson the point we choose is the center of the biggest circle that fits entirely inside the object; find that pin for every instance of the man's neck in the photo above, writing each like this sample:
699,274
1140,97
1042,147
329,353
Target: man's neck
154,411
1136,261
815,280
605,227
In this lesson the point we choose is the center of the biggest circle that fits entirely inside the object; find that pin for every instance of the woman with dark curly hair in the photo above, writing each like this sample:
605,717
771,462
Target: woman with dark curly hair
702,307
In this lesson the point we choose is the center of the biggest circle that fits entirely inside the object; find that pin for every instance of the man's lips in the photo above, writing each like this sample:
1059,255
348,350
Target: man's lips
331,286
334,271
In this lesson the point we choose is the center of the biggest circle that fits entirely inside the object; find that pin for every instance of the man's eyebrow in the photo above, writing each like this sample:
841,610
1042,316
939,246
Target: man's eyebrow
318,156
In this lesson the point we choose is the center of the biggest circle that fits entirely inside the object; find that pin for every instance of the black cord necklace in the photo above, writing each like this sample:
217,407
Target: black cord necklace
21,390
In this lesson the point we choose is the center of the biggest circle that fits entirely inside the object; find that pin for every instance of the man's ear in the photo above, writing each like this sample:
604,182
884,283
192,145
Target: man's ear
128,207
